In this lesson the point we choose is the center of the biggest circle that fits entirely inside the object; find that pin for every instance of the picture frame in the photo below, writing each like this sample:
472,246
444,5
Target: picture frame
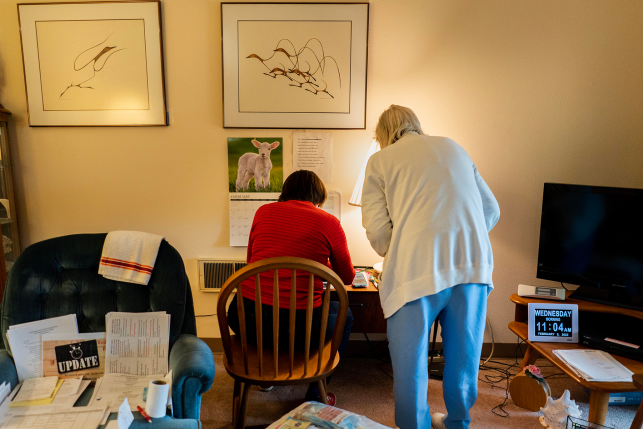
294,65
93,63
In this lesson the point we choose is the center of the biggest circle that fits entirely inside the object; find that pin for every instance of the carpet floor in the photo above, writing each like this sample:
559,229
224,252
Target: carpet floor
365,386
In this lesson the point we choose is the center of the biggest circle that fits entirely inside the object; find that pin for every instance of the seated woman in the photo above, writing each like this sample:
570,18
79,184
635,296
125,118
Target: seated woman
295,226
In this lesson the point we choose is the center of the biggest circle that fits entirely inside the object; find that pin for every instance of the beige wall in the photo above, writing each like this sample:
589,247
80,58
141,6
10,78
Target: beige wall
535,91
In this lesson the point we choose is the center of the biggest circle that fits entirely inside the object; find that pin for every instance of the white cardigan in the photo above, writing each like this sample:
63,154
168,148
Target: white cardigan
427,210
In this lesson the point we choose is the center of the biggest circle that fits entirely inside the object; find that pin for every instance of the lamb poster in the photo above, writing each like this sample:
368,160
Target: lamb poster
255,178
255,164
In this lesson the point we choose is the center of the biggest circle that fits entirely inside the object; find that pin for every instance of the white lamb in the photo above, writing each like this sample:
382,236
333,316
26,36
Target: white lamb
257,165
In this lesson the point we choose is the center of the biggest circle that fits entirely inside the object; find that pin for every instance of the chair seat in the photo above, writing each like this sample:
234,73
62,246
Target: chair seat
237,370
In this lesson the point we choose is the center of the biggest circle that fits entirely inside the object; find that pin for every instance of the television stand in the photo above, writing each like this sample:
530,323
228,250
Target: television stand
599,392
607,297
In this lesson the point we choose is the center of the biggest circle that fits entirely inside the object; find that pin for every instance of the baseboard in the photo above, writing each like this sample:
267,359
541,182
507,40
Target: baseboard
215,344
357,347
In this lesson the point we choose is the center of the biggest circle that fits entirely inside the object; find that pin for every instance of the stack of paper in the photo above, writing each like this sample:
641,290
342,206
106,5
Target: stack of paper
137,343
37,391
24,340
5,390
53,416
80,417
595,365
113,389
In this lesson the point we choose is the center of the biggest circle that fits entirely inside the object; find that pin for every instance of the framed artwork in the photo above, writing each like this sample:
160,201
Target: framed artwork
93,64
294,65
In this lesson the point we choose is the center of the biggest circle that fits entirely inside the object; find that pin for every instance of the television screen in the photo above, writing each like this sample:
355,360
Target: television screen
592,236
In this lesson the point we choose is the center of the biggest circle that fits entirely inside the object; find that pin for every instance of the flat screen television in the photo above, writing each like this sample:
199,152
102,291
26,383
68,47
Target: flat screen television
592,236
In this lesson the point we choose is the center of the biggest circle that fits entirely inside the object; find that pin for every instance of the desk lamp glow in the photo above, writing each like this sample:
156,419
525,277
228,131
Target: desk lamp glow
356,198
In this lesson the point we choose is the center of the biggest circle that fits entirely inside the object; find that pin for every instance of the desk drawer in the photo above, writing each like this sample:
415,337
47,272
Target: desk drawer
367,312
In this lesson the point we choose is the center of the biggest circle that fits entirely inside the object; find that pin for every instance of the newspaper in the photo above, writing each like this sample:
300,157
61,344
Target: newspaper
137,343
311,415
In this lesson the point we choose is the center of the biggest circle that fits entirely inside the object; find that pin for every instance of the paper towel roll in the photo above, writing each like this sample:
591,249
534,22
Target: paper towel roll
156,404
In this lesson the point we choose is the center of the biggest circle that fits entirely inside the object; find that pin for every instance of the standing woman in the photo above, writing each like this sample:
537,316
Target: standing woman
427,211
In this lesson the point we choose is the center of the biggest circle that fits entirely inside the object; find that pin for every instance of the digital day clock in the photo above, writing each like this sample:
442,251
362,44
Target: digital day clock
553,323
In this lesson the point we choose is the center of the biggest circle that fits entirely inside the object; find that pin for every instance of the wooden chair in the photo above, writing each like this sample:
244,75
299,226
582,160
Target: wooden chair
637,379
252,364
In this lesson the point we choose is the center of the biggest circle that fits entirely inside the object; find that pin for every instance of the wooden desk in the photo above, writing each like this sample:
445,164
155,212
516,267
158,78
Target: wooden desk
600,392
367,311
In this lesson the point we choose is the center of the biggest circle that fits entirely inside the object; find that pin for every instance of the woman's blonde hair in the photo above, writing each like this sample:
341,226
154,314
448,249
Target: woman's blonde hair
394,122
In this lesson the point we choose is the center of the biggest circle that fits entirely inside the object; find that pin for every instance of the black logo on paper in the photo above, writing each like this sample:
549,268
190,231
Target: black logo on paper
77,357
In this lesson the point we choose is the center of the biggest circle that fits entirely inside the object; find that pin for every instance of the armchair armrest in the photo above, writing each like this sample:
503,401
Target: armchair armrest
8,371
192,365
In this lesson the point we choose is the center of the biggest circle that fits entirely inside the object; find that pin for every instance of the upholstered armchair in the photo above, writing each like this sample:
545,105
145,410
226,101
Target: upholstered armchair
60,276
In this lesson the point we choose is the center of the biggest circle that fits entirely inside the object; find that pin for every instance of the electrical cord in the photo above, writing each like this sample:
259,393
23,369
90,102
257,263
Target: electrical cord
493,342
504,374
561,283
205,315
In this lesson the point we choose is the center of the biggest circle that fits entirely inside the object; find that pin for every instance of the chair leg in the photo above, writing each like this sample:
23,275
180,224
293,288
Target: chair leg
236,399
321,386
241,418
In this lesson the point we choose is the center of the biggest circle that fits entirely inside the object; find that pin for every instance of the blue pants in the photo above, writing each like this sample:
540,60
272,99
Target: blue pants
462,311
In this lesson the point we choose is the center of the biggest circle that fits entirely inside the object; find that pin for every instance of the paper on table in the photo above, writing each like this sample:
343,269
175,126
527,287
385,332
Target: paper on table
105,417
595,365
96,386
314,152
68,401
70,387
57,405
25,344
114,388
5,410
125,416
40,402
137,343
5,389
71,419
36,388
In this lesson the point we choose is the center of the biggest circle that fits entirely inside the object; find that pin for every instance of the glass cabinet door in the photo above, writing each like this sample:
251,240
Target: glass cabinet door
8,225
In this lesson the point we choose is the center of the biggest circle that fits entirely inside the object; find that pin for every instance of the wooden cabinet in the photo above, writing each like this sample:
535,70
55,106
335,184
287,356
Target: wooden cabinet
10,243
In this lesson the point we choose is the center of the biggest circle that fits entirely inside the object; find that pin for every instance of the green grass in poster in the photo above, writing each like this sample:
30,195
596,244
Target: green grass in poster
240,146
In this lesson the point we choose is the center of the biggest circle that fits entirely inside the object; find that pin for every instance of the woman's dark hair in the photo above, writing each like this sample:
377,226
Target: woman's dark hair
304,185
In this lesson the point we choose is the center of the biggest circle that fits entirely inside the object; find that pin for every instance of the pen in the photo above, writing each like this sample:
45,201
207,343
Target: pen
144,414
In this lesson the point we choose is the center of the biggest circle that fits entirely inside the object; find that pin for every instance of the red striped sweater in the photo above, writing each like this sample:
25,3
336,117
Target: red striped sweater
299,229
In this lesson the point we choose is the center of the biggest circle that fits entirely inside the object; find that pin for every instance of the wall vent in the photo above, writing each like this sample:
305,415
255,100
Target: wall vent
213,273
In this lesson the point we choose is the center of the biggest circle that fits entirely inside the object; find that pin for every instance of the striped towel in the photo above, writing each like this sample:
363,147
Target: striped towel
129,256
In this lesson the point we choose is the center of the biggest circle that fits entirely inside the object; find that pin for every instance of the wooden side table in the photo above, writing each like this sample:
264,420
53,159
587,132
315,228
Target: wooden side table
599,392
